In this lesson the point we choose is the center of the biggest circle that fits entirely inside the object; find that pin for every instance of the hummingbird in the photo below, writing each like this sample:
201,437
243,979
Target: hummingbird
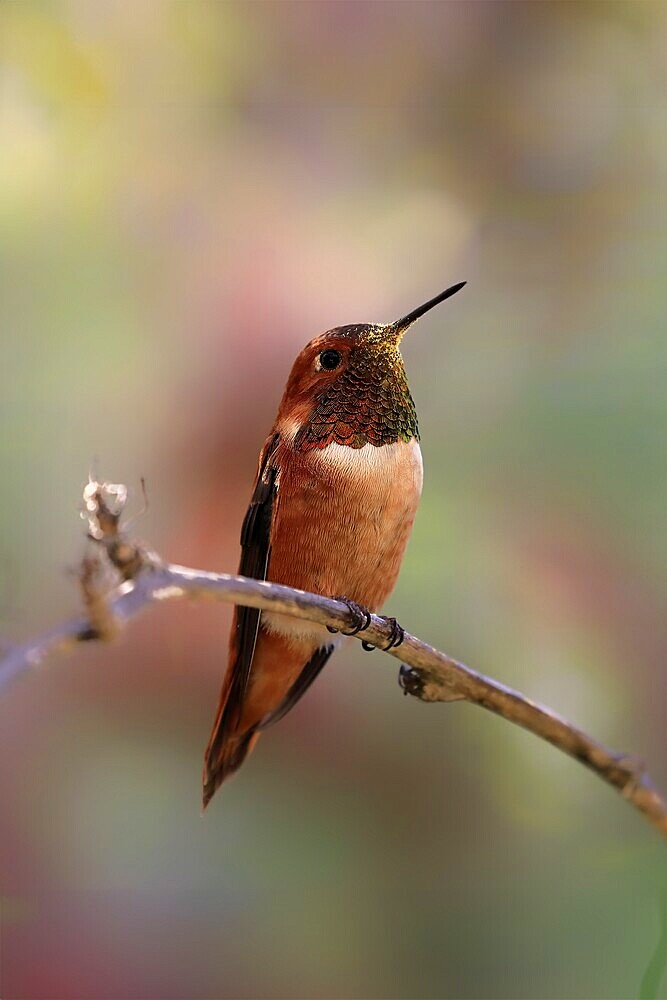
335,496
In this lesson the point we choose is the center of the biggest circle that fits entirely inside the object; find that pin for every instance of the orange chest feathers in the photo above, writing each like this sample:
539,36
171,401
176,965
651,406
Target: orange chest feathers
343,518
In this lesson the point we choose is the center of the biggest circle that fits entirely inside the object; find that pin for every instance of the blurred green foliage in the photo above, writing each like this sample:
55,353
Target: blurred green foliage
188,193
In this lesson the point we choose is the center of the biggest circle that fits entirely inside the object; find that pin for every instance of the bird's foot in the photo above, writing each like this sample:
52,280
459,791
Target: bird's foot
362,619
361,615
396,637
410,680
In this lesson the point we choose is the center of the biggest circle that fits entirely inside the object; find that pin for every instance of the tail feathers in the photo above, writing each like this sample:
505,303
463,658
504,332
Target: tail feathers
282,671
226,761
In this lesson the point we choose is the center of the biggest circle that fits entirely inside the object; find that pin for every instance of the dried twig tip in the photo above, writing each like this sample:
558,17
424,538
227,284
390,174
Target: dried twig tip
103,504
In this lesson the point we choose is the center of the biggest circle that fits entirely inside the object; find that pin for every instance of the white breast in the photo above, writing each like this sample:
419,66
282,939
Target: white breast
383,463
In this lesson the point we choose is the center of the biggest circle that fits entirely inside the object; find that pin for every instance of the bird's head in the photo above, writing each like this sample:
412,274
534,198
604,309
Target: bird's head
349,387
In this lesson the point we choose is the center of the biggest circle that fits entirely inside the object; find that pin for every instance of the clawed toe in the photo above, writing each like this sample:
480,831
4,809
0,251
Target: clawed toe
362,617
396,636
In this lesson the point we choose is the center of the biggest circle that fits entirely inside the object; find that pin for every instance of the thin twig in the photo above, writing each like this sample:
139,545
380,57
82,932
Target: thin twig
430,675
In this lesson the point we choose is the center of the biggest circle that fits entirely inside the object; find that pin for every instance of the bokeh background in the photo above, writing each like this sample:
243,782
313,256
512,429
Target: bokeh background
189,191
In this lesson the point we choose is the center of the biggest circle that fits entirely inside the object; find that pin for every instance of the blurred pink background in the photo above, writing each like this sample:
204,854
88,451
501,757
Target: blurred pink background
188,193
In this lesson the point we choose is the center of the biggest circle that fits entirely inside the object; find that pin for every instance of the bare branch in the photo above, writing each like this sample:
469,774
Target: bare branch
429,674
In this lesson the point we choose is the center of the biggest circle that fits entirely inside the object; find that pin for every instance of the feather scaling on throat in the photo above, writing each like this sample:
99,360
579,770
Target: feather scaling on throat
369,403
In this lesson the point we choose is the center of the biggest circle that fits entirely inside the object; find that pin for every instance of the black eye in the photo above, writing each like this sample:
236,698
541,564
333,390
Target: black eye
330,360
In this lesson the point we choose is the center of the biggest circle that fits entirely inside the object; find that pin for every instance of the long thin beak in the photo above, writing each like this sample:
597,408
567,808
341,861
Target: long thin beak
398,328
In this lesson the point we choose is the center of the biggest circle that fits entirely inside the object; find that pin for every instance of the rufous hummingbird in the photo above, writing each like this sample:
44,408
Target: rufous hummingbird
335,497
